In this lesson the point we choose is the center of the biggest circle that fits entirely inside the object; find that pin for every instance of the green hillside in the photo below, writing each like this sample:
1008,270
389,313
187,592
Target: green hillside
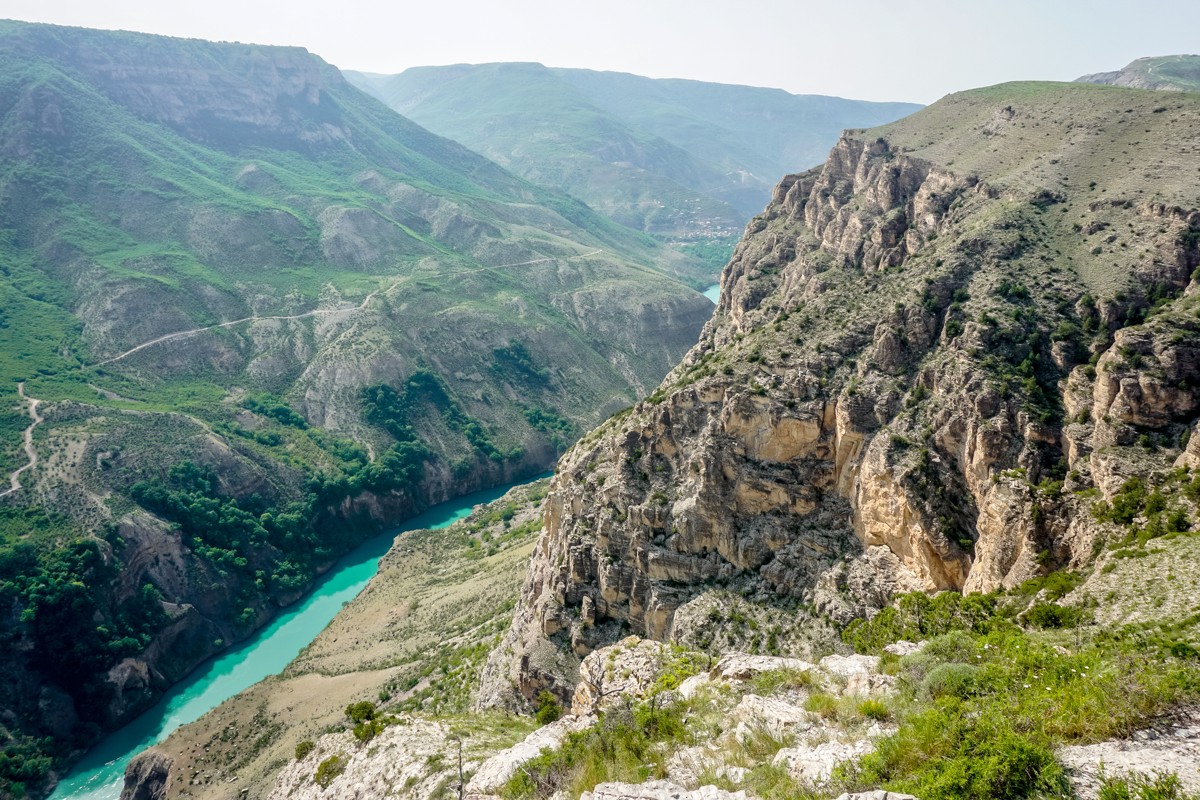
263,316
683,159
1170,73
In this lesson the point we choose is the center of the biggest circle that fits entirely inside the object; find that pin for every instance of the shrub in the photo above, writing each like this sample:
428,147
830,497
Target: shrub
822,704
873,708
1052,615
950,680
303,749
1136,786
548,709
329,769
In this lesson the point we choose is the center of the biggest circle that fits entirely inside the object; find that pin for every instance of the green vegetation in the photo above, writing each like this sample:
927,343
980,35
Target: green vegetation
676,158
624,746
548,708
61,605
983,706
423,392
329,769
1143,787
1165,506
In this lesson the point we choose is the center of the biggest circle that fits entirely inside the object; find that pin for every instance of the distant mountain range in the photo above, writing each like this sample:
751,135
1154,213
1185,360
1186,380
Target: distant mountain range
1171,73
678,158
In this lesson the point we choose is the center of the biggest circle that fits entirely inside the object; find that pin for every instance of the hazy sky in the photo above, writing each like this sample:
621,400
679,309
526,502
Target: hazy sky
914,50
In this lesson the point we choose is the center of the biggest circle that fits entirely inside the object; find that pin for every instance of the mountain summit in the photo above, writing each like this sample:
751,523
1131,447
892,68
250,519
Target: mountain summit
1169,73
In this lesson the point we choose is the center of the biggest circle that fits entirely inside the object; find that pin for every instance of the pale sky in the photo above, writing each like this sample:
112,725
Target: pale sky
914,50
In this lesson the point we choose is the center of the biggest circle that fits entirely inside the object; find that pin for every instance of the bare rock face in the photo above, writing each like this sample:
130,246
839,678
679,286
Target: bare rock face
891,397
1171,749
493,773
658,790
356,774
607,676
146,777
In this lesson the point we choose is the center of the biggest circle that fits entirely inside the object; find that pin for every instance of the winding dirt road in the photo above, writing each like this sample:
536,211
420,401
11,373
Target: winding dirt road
317,312
36,419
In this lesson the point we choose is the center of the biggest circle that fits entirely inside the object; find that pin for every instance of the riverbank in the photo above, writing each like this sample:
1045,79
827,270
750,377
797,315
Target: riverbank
99,774
413,640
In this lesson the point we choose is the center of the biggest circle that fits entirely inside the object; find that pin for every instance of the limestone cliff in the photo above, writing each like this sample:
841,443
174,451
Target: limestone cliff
931,356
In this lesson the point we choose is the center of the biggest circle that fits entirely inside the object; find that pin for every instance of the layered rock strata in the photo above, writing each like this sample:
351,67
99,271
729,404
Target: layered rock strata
930,359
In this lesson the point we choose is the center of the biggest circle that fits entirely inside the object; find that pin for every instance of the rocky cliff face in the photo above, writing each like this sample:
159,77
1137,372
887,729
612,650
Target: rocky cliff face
930,358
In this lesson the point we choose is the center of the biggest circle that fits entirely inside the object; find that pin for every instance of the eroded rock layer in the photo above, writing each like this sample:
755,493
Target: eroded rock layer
932,355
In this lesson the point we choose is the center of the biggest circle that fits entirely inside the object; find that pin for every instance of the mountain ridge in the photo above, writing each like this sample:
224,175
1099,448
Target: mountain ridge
832,453
1179,73
653,154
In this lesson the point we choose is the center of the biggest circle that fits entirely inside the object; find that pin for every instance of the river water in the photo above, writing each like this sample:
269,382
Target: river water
98,776
713,292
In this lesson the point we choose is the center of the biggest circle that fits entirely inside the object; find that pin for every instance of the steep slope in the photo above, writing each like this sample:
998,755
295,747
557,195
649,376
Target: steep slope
746,130
529,119
679,158
262,315
958,355
414,639
1170,73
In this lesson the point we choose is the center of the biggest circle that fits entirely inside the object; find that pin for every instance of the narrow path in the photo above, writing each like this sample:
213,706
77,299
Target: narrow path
30,452
317,312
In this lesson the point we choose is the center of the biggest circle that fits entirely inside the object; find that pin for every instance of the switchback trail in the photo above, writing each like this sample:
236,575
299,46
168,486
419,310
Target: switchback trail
316,312
30,452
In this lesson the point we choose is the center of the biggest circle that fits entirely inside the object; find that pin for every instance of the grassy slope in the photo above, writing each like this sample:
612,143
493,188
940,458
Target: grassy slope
766,132
1086,144
1175,73
567,142
108,188
685,131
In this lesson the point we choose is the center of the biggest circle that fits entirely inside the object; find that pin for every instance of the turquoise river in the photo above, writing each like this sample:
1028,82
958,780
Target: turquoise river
99,775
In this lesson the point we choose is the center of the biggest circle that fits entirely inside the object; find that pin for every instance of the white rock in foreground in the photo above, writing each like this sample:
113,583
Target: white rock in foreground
1175,749
495,772
815,764
409,746
743,666
658,790
776,717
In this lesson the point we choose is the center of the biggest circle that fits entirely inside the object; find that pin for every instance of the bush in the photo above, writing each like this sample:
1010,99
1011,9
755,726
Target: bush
875,709
950,680
329,769
303,749
822,704
1136,786
548,709
1052,615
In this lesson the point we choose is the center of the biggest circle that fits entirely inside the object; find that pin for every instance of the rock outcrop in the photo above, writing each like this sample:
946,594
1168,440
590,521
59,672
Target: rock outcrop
739,702
1172,748
146,777
928,362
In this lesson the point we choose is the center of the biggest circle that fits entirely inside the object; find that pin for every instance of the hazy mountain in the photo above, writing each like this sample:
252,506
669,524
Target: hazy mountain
1170,73
674,157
